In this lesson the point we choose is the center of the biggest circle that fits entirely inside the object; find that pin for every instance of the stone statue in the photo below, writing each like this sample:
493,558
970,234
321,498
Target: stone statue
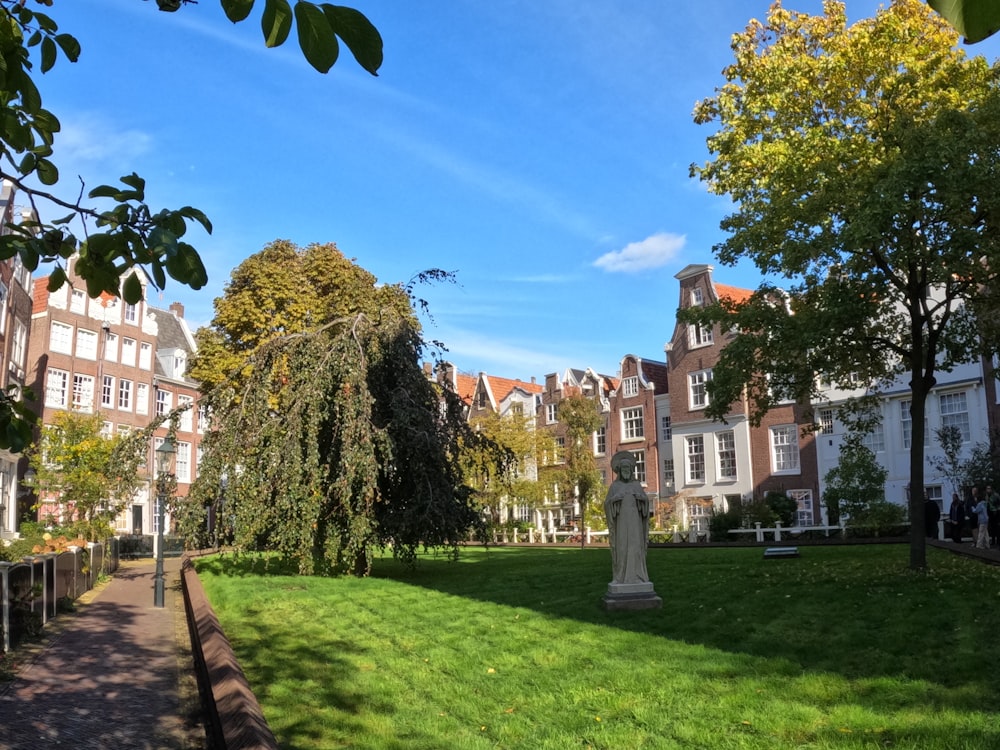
626,509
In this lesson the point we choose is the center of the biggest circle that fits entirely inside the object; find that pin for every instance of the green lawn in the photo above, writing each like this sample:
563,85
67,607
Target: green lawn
510,648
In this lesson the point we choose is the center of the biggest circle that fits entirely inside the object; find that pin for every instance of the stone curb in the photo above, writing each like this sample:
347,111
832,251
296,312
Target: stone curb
234,717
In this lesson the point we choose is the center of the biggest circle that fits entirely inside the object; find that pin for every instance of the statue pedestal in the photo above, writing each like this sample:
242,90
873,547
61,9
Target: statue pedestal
631,596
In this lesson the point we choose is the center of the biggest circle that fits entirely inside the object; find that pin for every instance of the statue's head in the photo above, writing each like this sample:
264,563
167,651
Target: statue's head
623,464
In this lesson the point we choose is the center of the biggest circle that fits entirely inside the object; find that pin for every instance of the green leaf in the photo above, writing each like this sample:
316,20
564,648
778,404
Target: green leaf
56,279
316,38
276,22
195,215
47,172
159,278
973,19
132,289
103,191
237,10
48,54
34,39
69,45
27,163
186,267
137,183
358,33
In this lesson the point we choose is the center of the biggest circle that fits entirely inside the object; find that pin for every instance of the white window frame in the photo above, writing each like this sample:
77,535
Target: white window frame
124,394
699,335
640,466
551,413
107,392
694,459
86,344
142,398
669,475
145,355
128,351
697,297
78,301
83,393
826,421
182,462
130,314
725,452
630,386
666,430
785,455
875,440
600,441
61,337
19,349
804,507
56,388
954,410
164,401
633,424
111,347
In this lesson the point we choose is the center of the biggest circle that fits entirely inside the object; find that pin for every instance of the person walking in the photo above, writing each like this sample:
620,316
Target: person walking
993,505
982,514
956,514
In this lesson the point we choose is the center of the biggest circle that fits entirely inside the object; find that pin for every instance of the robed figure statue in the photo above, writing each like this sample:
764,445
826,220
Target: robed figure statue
627,511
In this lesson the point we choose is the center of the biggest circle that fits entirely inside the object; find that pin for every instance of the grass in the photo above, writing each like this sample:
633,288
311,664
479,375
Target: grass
510,648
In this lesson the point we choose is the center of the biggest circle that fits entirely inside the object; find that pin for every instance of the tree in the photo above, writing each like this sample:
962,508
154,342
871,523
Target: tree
862,162
582,418
330,437
93,477
114,231
856,484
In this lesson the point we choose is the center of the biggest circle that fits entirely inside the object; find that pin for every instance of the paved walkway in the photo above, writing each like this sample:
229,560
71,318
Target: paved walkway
115,674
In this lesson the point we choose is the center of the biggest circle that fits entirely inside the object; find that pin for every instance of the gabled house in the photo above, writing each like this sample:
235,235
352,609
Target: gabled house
716,464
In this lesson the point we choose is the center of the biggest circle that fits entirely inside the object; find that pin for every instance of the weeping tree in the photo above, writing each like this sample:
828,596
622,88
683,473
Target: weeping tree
327,434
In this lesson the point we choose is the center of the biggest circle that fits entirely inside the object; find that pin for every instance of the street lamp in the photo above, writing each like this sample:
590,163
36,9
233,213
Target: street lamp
164,454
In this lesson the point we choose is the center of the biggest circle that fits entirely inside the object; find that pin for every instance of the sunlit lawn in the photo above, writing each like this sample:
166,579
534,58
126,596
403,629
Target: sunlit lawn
510,648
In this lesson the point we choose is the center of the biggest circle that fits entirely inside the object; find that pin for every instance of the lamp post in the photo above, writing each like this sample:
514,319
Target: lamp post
164,454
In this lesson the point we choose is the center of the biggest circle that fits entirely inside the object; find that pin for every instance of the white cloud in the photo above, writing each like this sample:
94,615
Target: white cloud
653,252
90,139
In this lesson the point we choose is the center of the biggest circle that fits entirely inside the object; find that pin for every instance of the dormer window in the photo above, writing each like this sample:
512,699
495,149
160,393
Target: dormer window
697,298
630,386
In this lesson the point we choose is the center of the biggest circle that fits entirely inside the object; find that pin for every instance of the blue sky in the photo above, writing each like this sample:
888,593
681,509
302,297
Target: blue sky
538,149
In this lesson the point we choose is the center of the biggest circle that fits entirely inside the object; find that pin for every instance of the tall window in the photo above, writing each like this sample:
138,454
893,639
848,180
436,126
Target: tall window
128,352
630,386
86,344
875,440
697,515
202,417
695,445
601,441
560,452
640,465
182,466
61,338
20,348
187,416
826,421
632,428
163,401
83,393
108,392
665,430
145,355
551,413
955,413
131,314
56,388
3,307
142,398
804,500
668,471
111,347
697,298
725,446
906,424
785,449
125,394
697,391
78,301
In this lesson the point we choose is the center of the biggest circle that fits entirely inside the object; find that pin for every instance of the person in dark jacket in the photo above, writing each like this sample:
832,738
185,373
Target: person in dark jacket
932,514
956,514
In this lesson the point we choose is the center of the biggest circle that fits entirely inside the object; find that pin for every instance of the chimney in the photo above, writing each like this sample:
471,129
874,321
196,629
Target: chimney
177,309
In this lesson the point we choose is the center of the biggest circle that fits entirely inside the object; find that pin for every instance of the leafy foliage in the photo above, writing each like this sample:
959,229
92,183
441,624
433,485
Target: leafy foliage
862,161
329,436
855,487
92,476
582,418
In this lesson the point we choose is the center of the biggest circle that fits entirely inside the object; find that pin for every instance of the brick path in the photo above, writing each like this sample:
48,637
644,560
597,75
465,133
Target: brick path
116,674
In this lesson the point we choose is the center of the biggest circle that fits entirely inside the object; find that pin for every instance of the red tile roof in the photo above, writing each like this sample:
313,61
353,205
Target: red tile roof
502,387
733,293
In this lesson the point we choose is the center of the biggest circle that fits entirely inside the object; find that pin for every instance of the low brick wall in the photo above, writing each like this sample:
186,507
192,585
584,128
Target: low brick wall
234,717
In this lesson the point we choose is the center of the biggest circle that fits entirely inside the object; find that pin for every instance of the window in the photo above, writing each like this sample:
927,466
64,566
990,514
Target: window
187,416
131,313
934,493
202,418
86,344
3,307
111,347
108,392
128,352
182,464
665,430
20,348
668,471
697,515
826,421
78,302
517,409
804,500
697,391
61,338
699,335
560,452
551,413
906,424
601,441
481,399
695,445
107,429
180,362
145,355
125,394
83,393
697,298
875,440
725,446
142,398
955,413
640,465
632,428
630,386
163,401
56,385
785,449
